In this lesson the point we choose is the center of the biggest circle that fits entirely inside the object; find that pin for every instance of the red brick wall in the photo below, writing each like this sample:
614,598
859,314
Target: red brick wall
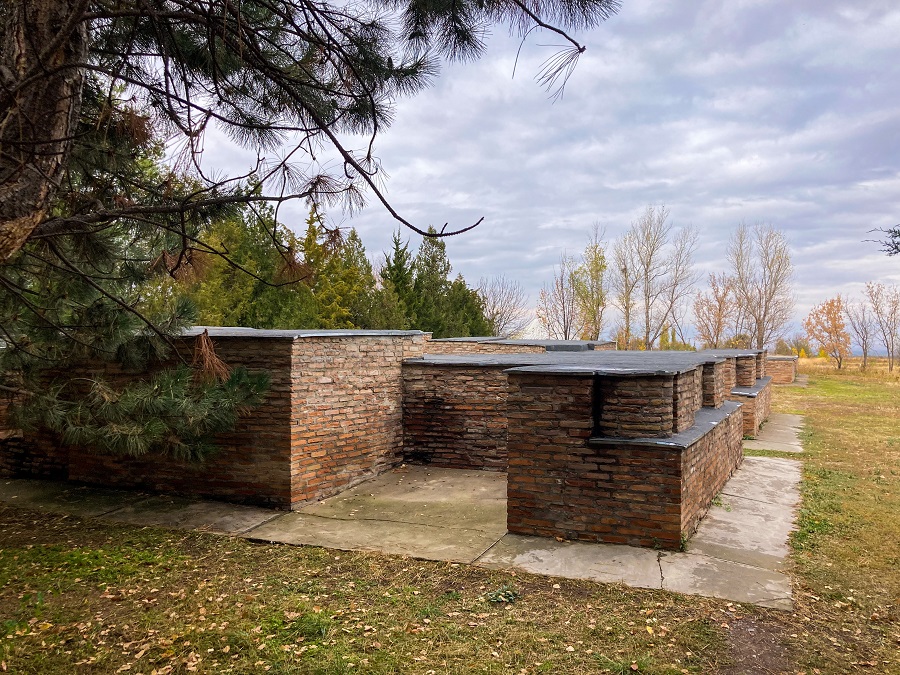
346,424
687,398
755,409
334,422
625,492
745,371
730,374
706,466
472,347
782,370
252,464
635,407
558,486
455,416
715,389
760,365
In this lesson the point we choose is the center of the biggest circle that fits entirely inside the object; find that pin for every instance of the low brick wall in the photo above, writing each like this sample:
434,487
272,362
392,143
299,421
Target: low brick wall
332,417
347,410
745,371
641,492
632,407
687,398
21,457
252,464
715,387
707,465
455,416
476,347
761,364
730,379
782,369
756,404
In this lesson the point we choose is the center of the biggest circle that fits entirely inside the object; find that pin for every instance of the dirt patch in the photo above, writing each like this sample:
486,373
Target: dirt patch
756,648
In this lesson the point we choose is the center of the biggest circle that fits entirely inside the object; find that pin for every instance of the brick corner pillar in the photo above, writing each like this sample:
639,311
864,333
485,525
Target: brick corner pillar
550,419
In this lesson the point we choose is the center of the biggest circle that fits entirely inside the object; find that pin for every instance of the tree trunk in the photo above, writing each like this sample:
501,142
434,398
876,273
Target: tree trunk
43,45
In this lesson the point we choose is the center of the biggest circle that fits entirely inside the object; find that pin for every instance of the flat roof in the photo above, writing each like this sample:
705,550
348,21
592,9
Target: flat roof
549,345
292,334
620,363
735,352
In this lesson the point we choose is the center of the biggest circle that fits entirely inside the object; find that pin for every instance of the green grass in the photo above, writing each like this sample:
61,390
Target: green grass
88,596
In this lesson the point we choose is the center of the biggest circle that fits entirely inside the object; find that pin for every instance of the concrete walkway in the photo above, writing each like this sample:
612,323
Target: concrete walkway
781,432
738,553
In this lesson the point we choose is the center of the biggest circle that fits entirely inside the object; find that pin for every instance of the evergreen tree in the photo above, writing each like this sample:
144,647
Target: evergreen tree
397,274
259,285
74,307
431,270
464,311
265,72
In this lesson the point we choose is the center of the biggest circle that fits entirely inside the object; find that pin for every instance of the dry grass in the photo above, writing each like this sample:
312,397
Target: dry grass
80,596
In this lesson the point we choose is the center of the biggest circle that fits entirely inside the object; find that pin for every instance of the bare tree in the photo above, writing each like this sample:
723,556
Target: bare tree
862,325
760,263
714,311
661,269
623,284
557,308
885,303
505,305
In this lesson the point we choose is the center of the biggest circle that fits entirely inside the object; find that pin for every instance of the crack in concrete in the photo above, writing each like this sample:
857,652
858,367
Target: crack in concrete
478,557
749,499
662,577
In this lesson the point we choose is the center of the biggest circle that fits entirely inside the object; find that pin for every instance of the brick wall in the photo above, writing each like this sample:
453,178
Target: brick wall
634,407
455,416
756,407
252,464
706,466
473,347
641,493
782,369
687,398
761,364
745,371
332,423
715,389
38,456
730,374
347,411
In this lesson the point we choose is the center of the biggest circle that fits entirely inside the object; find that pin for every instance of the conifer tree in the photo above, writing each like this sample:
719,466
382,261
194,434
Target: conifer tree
74,308
265,72
397,274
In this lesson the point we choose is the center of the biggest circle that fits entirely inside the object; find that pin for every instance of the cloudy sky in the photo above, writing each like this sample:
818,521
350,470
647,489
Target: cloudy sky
746,110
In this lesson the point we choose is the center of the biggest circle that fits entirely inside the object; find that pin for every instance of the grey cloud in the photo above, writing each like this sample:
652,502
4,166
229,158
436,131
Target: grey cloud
726,112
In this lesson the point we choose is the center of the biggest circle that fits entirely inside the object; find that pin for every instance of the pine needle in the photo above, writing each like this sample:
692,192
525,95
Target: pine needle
208,367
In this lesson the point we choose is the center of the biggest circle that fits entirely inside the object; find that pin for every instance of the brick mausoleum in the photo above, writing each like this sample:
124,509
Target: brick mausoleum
598,444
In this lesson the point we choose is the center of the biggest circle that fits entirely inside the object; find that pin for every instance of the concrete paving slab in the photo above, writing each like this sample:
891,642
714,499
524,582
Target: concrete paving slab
416,540
781,432
703,575
61,497
185,514
638,567
754,516
771,480
743,536
451,498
